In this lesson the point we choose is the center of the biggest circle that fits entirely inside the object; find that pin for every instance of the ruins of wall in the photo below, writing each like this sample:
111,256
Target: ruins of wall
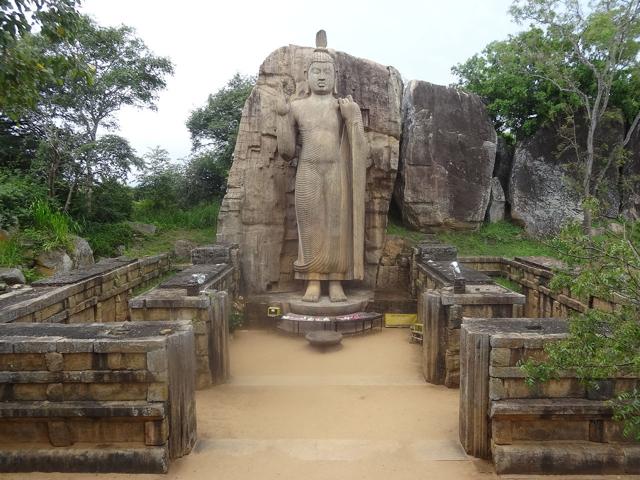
99,293
115,397
557,427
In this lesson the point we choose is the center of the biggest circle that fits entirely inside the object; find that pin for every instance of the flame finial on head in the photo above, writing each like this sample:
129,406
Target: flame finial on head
321,54
321,40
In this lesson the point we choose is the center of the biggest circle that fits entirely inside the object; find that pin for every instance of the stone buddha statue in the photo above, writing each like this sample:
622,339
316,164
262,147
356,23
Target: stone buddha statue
326,135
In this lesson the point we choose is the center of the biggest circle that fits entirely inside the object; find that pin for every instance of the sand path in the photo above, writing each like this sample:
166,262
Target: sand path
290,412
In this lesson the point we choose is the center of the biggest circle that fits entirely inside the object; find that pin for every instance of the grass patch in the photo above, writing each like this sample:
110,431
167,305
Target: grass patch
502,239
508,283
202,216
164,241
139,290
105,238
395,227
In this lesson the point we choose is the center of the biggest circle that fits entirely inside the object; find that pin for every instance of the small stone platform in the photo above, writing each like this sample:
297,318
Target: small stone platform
352,323
323,339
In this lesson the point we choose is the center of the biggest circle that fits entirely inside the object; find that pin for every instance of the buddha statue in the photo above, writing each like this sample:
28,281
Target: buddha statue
326,135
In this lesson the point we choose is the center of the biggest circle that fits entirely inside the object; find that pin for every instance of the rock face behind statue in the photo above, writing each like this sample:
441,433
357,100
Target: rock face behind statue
258,211
545,185
447,158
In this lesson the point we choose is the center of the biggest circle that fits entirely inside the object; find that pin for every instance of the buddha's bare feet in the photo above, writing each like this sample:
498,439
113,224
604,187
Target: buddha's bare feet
336,293
313,291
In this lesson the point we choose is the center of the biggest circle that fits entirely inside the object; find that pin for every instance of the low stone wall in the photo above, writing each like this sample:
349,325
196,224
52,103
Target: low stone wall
221,253
441,312
115,397
534,274
559,427
208,313
99,293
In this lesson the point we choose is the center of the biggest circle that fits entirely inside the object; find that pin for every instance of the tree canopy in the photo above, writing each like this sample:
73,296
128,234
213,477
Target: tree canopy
577,64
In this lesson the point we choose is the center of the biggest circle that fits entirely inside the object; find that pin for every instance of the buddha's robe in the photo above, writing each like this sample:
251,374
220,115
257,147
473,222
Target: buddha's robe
329,189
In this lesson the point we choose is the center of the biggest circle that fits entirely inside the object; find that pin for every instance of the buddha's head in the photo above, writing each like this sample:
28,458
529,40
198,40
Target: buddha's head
321,72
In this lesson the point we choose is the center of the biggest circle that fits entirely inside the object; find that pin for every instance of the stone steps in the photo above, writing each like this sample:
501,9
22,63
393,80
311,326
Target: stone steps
85,459
568,458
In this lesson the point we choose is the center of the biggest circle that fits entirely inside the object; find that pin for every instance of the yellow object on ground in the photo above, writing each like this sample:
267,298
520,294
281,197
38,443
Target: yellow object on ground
400,319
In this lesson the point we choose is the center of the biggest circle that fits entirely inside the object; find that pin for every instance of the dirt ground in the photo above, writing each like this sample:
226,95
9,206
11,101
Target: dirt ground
362,411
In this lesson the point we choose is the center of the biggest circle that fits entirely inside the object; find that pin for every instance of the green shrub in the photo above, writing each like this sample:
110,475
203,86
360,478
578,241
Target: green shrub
17,194
200,216
11,254
50,228
105,238
497,239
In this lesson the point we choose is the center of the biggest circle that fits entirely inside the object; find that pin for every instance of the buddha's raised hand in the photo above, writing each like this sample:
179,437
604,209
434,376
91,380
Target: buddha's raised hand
348,108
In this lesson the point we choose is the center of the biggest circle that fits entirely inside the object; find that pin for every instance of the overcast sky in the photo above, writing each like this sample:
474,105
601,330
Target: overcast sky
209,41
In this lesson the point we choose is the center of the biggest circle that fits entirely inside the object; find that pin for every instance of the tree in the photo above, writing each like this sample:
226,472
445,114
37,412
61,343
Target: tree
124,73
601,345
161,182
214,127
518,101
24,68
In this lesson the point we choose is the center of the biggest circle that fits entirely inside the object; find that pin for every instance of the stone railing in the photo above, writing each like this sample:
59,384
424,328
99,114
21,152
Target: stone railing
557,427
441,312
99,398
99,293
208,313
533,275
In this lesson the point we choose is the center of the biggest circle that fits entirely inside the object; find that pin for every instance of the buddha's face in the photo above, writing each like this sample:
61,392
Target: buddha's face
322,77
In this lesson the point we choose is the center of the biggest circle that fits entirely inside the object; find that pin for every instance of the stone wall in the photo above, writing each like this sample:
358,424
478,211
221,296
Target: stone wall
441,312
208,313
558,427
533,275
257,212
115,397
99,293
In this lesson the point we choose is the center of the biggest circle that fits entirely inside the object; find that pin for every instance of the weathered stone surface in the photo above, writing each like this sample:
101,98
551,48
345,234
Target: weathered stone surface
497,202
54,261
544,187
258,210
447,158
81,252
182,248
504,163
143,228
11,276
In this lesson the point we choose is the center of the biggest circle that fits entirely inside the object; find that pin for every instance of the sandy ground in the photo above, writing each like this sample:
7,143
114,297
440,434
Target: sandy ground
361,411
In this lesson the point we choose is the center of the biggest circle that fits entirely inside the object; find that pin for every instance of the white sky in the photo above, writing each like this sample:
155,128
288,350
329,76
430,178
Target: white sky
209,41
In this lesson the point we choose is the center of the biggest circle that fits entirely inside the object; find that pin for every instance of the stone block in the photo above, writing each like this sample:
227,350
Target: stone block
500,357
157,392
55,392
78,361
54,361
22,361
59,434
29,392
157,361
156,432
126,361
118,391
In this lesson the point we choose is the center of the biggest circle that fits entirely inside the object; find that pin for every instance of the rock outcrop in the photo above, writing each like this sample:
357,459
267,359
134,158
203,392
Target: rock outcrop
81,253
12,276
545,185
447,158
504,163
496,210
53,261
258,210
